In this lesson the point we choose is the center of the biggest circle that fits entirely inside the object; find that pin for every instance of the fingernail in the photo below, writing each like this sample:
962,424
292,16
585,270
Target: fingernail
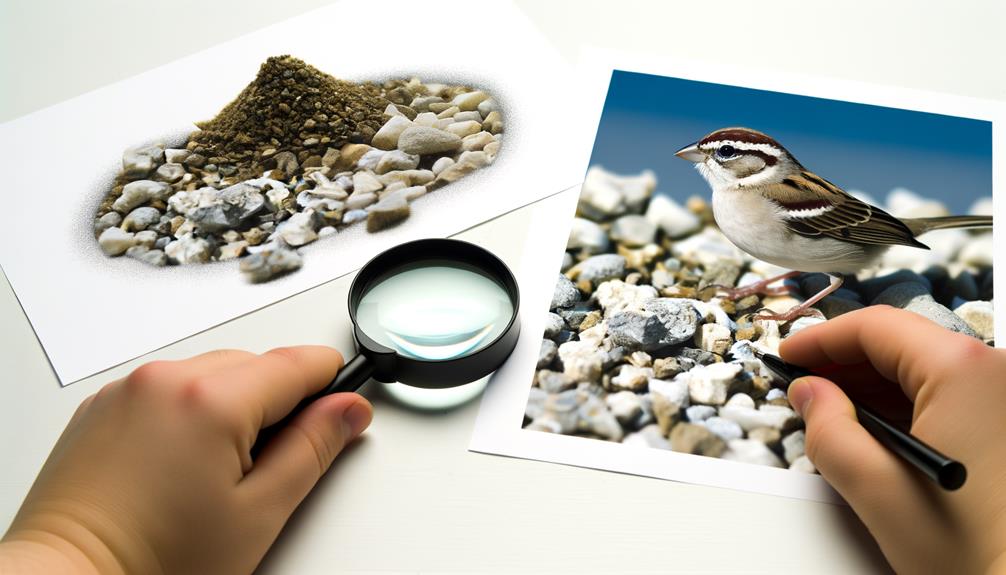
800,395
357,417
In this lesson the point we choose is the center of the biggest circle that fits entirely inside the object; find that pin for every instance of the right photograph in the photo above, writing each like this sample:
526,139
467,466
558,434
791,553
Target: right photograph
716,221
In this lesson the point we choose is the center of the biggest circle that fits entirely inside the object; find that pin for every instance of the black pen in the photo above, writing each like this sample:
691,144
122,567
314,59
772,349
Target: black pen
948,473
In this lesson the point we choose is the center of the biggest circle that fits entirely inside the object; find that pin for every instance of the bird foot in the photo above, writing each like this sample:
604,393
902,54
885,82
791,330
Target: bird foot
758,288
791,314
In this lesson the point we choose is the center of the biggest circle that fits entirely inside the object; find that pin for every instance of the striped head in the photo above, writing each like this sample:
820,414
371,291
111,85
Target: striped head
739,158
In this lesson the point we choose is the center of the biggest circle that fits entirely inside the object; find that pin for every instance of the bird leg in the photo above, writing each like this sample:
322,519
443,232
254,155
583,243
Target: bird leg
804,308
760,287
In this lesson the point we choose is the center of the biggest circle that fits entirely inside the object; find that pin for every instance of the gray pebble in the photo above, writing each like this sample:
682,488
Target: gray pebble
141,218
553,325
588,236
872,287
600,268
724,428
546,353
565,294
697,413
633,230
662,322
914,297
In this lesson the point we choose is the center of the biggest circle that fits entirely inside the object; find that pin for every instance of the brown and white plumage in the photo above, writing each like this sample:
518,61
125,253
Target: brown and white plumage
773,208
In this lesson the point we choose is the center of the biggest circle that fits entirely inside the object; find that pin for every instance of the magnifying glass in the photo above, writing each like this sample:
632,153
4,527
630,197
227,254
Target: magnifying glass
432,313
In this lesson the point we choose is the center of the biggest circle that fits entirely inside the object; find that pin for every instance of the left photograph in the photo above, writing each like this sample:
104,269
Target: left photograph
296,157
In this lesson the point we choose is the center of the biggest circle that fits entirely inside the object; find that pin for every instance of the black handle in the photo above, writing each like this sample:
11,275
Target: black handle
948,473
353,375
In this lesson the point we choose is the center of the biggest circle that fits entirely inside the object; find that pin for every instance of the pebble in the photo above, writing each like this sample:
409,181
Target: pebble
980,317
546,353
464,129
594,417
135,194
582,361
267,264
170,173
979,252
803,464
366,183
751,451
793,446
115,241
725,429
587,236
565,293
632,378
388,135
714,338
553,325
599,268
188,249
696,439
662,322
626,406
109,220
872,287
699,413
141,218
370,160
423,140
633,230
396,160
476,142
154,257
774,416
671,217
604,194
139,161
387,212
914,297
617,296
146,239
298,229
711,384
648,436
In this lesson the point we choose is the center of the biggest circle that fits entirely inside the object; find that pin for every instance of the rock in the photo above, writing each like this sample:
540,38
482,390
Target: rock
648,436
872,287
387,212
349,154
980,318
666,367
140,219
793,446
115,241
588,236
175,155
470,100
396,160
981,207
696,439
169,173
699,413
298,229
632,378
711,384
714,338
775,393
604,194
774,416
595,418
149,256
554,381
802,323
267,264
215,218
617,296
565,293
581,360
442,164
803,464
978,251
387,137
370,160
109,220
476,142
599,268
633,230
553,325
232,250
365,183
833,307
626,406
914,297
245,198
467,163
139,161
662,322
422,140
135,194
574,315
741,400
286,162
546,353
751,451
278,198
767,435
146,239
358,201
671,217
188,249
464,129
486,106
724,428
707,248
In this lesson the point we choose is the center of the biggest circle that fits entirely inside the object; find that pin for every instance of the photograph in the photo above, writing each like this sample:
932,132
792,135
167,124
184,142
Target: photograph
296,157
714,222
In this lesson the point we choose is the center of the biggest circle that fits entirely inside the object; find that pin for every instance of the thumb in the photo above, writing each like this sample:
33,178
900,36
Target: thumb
294,460
851,459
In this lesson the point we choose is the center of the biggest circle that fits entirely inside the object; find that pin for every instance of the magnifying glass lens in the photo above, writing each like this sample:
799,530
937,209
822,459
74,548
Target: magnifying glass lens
435,310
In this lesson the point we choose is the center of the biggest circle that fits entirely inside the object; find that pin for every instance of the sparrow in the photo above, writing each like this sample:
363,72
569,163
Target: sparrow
773,208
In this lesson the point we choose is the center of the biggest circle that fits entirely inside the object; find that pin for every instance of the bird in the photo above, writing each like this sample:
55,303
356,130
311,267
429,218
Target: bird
772,207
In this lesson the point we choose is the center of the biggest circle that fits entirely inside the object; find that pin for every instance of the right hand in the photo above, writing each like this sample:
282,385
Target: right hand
958,387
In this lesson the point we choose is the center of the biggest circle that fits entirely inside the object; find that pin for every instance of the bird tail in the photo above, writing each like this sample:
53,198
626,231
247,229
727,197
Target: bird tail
920,226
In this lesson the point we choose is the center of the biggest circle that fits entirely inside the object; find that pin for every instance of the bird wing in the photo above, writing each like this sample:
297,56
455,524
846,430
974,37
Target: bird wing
816,207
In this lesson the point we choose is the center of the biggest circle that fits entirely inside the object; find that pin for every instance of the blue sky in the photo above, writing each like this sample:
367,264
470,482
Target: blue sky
873,149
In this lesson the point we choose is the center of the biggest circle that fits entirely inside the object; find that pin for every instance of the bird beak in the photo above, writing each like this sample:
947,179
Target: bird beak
691,153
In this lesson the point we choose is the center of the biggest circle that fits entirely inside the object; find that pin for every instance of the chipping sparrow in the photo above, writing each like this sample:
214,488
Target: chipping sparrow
773,208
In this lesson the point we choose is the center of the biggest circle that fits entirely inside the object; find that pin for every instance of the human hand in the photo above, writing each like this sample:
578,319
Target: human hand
153,473
957,386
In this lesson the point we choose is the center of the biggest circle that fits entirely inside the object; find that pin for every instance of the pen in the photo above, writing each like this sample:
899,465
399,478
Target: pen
948,473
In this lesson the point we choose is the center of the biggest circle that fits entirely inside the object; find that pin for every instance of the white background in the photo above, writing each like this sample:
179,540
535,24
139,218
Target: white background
409,498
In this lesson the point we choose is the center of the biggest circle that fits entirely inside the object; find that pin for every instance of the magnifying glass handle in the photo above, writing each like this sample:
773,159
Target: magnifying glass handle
353,375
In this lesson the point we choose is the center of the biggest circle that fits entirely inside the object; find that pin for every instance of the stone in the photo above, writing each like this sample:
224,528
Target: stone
666,367
286,162
396,160
741,400
468,101
674,390
587,236
546,353
981,207
188,249
695,439
387,212
767,435
135,194
353,216
176,155
707,248
169,173
232,250
711,384
387,137
661,323
978,252
476,142
486,106
358,201
141,218
980,318
914,297
595,418
115,241
553,325
633,230
139,161
298,229
464,129
565,293
617,296
626,406
442,164
370,160
109,220
365,182
699,413
554,381
774,416
582,361
599,268
245,198
146,239
604,194
833,307
872,287
215,218
267,264
725,429
714,338
751,451
671,217
802,323
632,378
793,446
149,256
775,393
648,436
422,140
803,464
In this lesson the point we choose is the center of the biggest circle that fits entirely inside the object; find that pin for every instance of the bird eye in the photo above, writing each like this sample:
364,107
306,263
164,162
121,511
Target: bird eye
727,151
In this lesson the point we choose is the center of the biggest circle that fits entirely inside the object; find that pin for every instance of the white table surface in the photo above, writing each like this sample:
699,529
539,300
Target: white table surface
409,497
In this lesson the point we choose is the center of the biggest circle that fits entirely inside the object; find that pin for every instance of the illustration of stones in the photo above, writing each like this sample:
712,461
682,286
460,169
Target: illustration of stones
298,156
640,349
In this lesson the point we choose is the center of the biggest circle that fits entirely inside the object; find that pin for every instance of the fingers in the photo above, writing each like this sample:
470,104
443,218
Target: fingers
851,459
887,338
299,455
274,382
